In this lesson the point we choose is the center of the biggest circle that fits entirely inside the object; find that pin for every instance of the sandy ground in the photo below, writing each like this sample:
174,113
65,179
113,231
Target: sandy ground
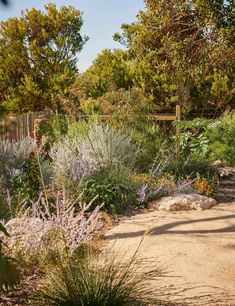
196,248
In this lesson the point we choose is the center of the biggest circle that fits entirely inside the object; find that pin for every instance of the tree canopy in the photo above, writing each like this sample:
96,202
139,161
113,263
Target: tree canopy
38,57
178,52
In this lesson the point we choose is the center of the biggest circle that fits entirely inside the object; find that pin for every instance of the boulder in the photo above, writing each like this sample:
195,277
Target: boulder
185,202
224,172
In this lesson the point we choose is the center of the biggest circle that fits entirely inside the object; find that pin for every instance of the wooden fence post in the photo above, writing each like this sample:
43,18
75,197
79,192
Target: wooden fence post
178,117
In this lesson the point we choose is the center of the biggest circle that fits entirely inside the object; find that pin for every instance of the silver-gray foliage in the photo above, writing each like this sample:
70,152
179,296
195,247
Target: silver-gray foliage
12,157
103,147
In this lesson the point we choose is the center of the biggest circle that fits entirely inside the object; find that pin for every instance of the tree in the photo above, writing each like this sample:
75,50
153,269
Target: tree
38,57
185,52
111,70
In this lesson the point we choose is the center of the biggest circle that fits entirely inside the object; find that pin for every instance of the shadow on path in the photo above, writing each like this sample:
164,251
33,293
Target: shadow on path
167,228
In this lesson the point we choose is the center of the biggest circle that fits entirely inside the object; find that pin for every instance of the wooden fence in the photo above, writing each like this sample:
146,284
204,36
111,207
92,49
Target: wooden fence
14,128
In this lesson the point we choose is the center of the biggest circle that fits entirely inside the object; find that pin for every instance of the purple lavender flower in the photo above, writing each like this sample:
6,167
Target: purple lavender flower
81,168
185,185
53,227
153,172
143,193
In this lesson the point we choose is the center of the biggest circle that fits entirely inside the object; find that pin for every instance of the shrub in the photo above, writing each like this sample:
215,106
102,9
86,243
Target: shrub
222,134
204,176
209,139
22,171
108,148
150,138
114,187
19,172
191,168
204,186
100,164
12,159
193,141
154,187
48,229
101,148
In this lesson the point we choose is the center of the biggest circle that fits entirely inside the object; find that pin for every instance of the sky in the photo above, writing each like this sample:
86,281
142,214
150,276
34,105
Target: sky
102,18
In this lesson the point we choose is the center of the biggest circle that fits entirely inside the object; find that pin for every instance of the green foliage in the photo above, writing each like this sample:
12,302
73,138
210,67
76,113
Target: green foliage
13,162
27,183
111,70
209,139
193,141
192,145
151,139
9,274
114,187
20,177
38,54
191,168
221,134
178,52
32,184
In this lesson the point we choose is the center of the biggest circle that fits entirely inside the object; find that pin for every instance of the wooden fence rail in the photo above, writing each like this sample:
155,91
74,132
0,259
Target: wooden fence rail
15,128
157,117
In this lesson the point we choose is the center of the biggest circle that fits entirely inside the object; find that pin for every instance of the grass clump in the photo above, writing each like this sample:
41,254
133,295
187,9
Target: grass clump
99,280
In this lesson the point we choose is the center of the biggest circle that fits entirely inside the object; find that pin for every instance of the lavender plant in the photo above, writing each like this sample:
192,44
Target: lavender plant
48,228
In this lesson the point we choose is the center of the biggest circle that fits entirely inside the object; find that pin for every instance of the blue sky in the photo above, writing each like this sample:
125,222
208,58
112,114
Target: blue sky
102,18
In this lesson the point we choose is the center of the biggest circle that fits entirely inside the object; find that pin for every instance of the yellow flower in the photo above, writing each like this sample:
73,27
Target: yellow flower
203,186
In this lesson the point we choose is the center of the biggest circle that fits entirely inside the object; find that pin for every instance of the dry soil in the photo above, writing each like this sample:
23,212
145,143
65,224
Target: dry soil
196,248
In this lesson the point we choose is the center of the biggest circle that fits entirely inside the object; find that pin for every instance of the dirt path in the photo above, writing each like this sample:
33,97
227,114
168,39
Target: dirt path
197,248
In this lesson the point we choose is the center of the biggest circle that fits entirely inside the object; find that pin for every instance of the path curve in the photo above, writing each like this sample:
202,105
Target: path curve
196,247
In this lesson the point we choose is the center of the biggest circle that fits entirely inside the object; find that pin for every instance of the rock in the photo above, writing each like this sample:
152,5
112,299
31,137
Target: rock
218,163
226,172
185,202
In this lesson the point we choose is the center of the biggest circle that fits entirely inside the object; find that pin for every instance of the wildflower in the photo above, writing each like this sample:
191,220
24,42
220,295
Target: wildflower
142,192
